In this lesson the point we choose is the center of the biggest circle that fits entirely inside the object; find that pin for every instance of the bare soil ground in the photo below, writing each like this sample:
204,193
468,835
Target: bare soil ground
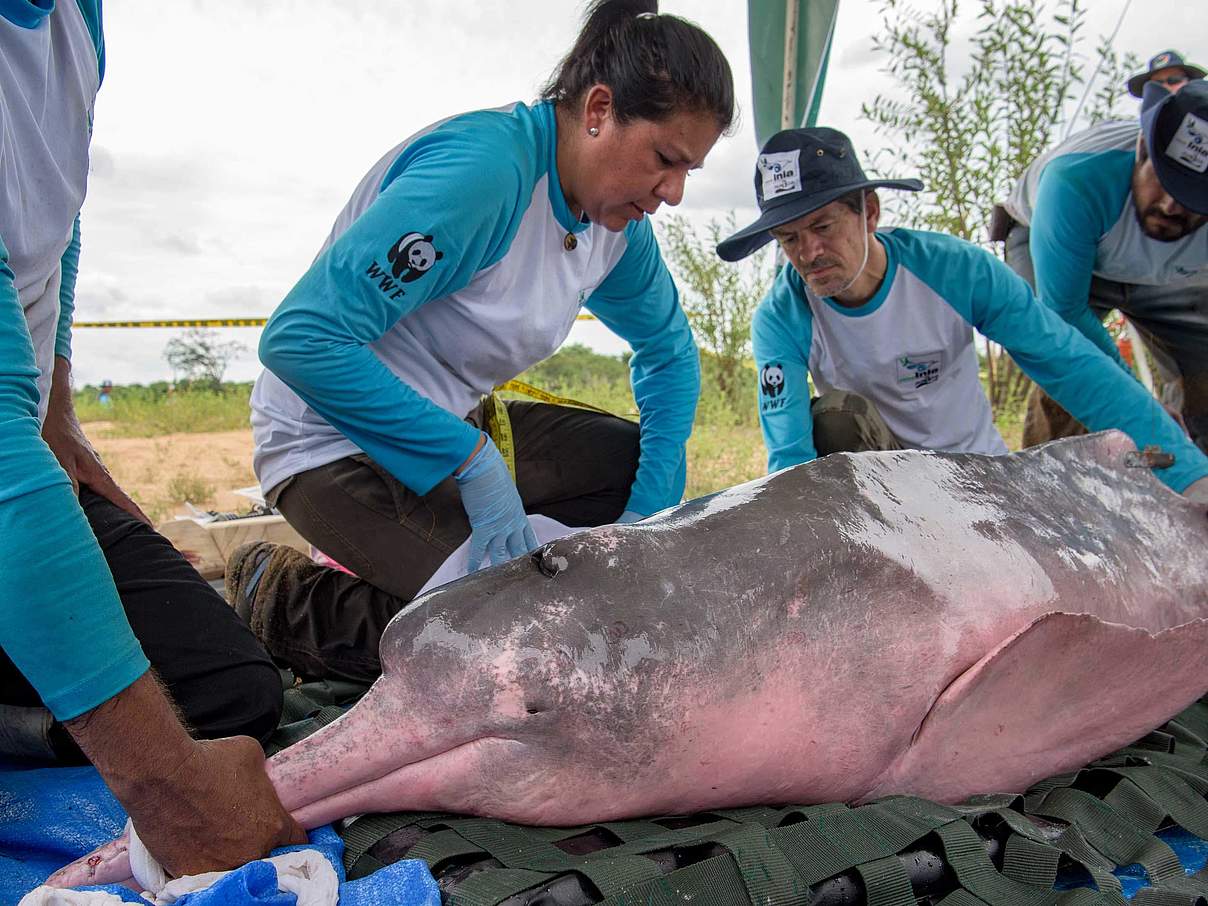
161,473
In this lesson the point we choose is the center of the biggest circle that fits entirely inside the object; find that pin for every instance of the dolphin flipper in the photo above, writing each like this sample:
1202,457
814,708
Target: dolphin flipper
1020,710
107,864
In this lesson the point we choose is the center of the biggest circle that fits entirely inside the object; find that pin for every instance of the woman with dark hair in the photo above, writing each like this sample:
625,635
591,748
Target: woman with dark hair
462,259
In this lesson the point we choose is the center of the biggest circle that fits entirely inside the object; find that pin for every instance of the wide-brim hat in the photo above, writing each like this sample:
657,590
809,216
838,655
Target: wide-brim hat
798,172
1175,127
1167,59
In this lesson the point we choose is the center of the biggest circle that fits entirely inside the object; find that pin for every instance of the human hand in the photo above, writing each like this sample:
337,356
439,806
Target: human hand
217,810
71,448
497,521
197,805
629,516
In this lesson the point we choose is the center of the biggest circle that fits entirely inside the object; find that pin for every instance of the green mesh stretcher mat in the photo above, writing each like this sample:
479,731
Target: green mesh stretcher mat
1131,827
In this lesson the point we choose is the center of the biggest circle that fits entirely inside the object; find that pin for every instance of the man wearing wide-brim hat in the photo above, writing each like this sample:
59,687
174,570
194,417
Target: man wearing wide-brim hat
1113,218
883,321
1167,69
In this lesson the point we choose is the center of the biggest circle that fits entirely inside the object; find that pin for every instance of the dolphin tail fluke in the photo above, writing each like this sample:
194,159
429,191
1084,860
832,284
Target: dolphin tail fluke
1030,707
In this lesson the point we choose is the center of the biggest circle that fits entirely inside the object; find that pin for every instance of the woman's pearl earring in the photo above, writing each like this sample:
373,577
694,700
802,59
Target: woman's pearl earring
593,132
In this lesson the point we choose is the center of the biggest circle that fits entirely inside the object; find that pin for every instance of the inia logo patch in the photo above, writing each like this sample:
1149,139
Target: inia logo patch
781,173
1189,146
409,258
915,371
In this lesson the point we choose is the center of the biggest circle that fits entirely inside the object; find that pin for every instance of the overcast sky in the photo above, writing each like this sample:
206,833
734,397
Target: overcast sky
225,144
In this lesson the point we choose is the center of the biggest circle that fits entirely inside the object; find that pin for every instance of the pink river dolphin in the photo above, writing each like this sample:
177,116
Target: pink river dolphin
862,625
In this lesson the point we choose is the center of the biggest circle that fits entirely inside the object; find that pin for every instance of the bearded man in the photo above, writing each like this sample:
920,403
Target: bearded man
1112,218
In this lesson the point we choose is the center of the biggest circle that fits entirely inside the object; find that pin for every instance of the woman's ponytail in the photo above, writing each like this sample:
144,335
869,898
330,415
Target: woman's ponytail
656,65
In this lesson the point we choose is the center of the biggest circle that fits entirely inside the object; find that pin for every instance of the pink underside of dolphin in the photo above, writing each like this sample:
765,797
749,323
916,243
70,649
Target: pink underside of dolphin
864,625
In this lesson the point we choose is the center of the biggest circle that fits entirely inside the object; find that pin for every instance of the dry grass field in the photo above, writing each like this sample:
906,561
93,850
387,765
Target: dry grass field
167,446
161,473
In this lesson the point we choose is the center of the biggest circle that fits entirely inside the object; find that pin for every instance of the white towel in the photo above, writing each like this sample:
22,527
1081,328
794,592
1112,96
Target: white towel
305,872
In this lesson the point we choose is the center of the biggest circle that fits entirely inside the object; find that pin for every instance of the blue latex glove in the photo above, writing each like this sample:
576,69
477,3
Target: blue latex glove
498,525
629,516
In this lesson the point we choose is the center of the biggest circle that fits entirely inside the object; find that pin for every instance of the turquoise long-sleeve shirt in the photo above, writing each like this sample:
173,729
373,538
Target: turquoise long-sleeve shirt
910,351
456,265
1080,197
1077,201
61,621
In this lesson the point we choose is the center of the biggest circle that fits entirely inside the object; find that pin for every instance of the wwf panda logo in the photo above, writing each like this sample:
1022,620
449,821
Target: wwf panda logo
771,380
413,256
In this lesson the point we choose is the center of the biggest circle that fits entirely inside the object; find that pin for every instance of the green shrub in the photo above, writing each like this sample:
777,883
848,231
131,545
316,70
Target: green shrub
190,487
150,411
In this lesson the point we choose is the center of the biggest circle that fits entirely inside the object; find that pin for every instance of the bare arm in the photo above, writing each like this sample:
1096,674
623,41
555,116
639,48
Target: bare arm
198,805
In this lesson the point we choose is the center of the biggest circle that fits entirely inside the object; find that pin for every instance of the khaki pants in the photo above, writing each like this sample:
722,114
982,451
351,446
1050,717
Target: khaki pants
845,422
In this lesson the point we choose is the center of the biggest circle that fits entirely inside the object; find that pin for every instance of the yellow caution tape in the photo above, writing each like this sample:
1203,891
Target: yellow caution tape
499,425
196,322
212,322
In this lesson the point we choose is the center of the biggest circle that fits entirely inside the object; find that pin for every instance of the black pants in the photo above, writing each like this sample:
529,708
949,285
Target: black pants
219,675
572,465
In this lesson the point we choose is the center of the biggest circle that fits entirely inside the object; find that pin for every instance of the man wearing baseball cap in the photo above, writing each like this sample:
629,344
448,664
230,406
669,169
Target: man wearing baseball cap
1167,69
1113,218
883,322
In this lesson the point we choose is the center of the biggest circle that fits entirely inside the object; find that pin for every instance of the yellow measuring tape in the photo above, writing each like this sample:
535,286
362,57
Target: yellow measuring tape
499,424
212,322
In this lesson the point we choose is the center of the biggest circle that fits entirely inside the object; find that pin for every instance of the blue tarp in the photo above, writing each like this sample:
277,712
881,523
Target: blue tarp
48,817
51,816
1191,850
